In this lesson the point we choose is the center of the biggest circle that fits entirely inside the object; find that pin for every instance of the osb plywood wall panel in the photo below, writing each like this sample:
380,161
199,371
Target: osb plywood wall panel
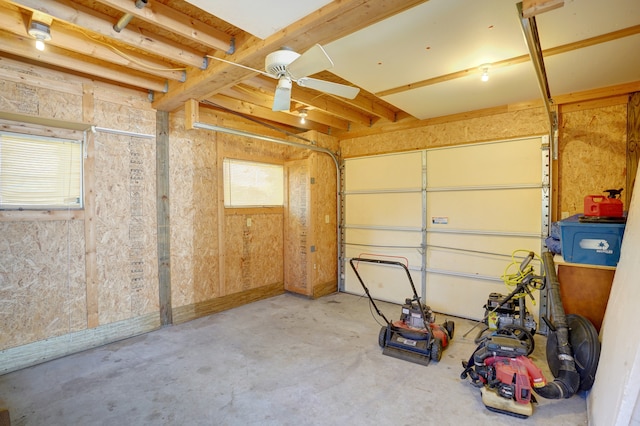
194,214
42,290
43,262
592,155
35,91
323,211
126,217
298,235
526,122
253,251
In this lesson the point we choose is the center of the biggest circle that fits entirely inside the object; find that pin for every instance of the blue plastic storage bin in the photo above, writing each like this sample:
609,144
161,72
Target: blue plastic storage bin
591,243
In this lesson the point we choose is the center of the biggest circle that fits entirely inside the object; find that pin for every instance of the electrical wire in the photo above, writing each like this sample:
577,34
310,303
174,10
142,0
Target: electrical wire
129,58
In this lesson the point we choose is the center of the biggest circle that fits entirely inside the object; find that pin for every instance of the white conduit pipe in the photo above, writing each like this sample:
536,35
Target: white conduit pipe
214,128
95,129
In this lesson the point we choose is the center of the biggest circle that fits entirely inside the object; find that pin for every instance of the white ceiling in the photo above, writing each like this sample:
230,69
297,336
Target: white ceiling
441,37
260,18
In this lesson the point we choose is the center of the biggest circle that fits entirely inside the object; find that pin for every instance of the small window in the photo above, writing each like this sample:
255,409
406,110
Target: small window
40,172
250,184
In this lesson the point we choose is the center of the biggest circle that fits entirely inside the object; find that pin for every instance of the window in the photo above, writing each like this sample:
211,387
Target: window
252,184
40,172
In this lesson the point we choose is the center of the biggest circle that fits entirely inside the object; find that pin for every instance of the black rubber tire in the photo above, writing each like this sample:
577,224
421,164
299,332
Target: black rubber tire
519,333
450,326
436,349
382,336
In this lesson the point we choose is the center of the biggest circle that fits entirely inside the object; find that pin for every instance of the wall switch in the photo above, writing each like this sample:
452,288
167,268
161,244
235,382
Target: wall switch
326,218
248,222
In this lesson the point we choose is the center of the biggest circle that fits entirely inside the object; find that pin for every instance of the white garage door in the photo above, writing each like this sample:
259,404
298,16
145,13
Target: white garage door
455,215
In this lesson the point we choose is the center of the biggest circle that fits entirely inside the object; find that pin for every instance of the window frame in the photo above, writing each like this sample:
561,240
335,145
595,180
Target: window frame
73,137
227,189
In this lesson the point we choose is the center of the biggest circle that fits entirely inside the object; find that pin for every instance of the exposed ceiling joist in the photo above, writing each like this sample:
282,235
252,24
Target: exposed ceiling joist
414,61
101,24
16,45
345,15
172,20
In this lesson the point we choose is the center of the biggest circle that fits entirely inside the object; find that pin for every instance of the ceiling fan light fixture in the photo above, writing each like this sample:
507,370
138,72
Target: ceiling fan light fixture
485,72
41,32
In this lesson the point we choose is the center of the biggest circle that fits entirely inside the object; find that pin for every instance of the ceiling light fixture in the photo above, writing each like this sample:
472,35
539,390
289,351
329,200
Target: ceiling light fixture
485,72
303,116
41,32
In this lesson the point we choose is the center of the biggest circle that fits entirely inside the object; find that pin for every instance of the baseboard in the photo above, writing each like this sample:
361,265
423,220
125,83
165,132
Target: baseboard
325,289
19,357
186,313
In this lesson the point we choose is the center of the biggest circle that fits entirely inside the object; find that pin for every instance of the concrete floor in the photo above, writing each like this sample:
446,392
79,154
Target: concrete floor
286,360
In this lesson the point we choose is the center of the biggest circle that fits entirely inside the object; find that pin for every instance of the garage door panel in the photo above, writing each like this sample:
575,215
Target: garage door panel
388,209
410,257
384,172
485,164
382,237
481,202
388,283
470,263
466,298
489,210
501,244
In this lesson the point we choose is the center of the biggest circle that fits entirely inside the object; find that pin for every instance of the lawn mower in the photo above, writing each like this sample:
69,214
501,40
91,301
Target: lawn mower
506,376
414,337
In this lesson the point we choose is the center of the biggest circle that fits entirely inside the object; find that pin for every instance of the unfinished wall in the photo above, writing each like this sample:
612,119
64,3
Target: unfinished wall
592,153
73,280
507,125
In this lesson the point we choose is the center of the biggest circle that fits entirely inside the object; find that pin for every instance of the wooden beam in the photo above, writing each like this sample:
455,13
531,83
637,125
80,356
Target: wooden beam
531,8
264,113
164,217
191,113
89,184
633,144
23,47
326,24
81,42
138,38
171,20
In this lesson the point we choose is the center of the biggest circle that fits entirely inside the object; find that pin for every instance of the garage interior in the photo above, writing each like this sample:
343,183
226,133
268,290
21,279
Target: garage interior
428,162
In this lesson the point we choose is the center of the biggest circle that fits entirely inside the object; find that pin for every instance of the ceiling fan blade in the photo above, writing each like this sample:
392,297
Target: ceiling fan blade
310,62
348,92
282,97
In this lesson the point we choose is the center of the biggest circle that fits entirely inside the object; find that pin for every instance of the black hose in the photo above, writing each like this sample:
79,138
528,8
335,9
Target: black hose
568,380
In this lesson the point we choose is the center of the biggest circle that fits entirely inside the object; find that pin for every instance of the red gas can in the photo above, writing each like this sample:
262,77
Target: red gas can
601,206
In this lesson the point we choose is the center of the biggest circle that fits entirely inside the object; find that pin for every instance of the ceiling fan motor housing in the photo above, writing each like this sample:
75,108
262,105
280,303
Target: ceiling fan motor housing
276,62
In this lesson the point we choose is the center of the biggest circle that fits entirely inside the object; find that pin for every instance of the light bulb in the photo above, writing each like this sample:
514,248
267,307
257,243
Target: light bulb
303,116
40,45
302,120
485,73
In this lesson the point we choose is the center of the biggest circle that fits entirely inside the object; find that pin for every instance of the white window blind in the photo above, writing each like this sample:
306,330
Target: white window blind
39,172
248,184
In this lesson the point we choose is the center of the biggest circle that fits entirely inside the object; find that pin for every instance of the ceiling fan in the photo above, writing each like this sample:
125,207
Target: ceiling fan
288,66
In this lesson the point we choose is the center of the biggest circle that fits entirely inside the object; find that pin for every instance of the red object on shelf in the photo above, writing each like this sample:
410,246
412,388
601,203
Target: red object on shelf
599,205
